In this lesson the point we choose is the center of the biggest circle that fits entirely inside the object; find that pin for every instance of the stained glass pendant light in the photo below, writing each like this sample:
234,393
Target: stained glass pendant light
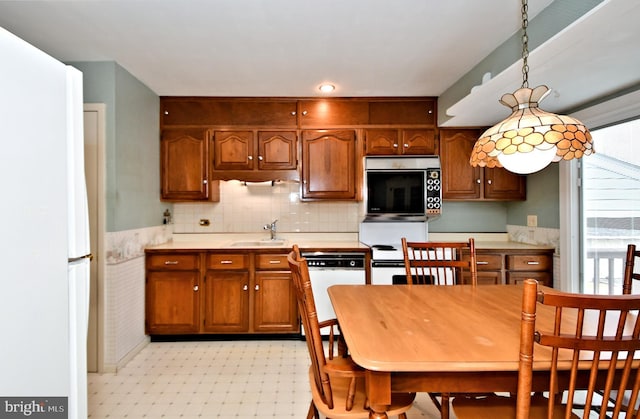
530,138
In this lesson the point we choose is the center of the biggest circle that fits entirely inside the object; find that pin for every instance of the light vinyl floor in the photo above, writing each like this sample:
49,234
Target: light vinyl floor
213,379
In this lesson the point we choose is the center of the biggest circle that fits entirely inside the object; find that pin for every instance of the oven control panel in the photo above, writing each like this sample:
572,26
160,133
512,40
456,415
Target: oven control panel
434,192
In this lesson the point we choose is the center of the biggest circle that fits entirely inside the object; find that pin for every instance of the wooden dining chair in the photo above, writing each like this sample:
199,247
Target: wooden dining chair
630,271
593,342
337,383
440,263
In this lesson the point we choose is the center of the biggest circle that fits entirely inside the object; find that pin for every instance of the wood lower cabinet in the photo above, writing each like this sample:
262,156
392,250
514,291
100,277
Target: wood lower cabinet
275,308
219,293
226,293
512,266
463,182
330,165
172,293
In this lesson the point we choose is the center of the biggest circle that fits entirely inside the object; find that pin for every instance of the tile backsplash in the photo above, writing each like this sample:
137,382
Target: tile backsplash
246,208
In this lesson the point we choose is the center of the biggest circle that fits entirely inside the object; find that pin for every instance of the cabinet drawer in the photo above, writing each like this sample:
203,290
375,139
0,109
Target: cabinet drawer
487,262
174,262
528,263
228,261
544,278
272,261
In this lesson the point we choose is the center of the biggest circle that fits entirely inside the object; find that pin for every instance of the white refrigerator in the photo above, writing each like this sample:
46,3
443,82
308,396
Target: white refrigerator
44,236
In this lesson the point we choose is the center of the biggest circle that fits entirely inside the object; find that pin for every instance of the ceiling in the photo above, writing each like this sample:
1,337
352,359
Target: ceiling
289,47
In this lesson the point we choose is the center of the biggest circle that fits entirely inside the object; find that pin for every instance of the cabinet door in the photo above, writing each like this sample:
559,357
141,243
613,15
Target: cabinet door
226,301
503,185
418,141
172,302
459,179
381,141
183,164
277,150
335,112
233,150
275,302
329,164
403,112
227,111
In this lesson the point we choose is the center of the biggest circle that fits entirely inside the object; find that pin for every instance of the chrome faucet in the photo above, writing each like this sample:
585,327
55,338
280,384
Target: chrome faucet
272,229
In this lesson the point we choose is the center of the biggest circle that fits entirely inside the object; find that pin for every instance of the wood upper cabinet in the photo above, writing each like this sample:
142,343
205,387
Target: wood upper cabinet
461,181
211,111
379,141
254,155
329,165
327,113
184,166
403,111
172,297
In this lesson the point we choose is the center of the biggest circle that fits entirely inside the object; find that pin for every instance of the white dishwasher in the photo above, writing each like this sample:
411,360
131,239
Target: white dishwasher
333,268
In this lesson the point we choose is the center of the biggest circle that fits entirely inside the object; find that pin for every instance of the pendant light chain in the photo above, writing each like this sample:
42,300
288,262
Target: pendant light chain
525,44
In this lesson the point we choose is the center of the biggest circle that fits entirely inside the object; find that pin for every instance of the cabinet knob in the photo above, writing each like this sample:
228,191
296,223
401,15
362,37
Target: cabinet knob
246,287
260,158
205,181
406,145
395,146
478,181
293,113
250,157
196,288
257,287
489,181
304,113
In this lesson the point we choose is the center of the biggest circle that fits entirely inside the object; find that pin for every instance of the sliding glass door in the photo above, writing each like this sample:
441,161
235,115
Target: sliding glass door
610,207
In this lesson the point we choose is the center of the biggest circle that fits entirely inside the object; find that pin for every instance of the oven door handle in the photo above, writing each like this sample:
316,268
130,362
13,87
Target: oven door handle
387,264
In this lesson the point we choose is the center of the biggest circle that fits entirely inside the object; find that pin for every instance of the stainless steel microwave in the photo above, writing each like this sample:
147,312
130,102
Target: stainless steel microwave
402,188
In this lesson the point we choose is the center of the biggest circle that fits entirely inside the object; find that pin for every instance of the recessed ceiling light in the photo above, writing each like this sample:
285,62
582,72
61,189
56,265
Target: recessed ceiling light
327,88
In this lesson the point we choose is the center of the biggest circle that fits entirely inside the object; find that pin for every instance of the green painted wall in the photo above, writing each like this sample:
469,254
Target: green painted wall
543,199
478,217
132,145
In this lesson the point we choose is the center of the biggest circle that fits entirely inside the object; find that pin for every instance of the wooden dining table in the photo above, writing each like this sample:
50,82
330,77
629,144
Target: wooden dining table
424,338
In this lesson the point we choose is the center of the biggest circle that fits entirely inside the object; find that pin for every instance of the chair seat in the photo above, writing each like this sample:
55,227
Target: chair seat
499,407
400,403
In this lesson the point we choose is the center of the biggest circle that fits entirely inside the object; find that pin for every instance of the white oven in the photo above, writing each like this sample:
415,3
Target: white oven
385,240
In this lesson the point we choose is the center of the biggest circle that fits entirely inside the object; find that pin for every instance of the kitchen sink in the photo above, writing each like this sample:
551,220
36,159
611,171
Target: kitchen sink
259,243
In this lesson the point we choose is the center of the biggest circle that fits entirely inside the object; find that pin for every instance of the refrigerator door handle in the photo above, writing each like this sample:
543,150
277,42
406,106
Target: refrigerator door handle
87,256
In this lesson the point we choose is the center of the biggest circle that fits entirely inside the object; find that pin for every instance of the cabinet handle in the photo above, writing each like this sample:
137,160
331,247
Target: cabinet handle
481,263
246,287
226,262
489,182
196,288
257,287
478,181
170,262
533,262
274,262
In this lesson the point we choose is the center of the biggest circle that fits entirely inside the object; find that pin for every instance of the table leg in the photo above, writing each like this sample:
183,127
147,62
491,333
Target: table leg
378,393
